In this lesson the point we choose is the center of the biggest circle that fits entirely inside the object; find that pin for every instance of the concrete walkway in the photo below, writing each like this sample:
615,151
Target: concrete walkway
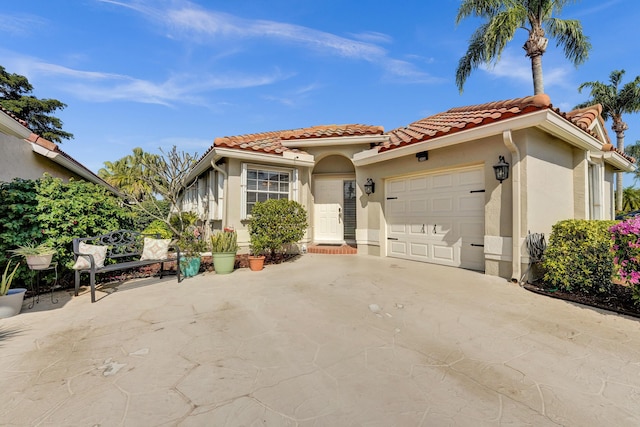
322,341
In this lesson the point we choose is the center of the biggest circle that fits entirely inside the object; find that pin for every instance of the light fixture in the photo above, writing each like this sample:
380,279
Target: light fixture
501,169
370,186
422,156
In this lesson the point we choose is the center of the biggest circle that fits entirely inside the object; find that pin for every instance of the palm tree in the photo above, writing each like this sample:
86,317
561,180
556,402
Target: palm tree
631,197
131,174
615,102
503,18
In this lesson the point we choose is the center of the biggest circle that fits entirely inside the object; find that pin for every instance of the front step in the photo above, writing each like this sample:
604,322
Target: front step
333,249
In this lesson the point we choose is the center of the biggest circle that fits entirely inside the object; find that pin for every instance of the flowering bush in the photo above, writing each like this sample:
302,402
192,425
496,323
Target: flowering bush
626,252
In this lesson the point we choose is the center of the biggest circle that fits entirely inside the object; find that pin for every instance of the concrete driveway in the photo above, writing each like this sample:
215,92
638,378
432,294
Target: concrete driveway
322,341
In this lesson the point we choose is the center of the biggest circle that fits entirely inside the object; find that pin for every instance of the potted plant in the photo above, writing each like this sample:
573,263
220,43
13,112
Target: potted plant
257,246
10,299
224,246
191,245
38,256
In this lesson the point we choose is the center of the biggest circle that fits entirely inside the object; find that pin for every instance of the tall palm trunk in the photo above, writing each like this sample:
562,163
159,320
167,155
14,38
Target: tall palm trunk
619,127
536,71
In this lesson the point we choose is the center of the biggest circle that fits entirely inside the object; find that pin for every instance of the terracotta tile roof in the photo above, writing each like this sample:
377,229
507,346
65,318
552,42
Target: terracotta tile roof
37,139
14,117
271,142
463,118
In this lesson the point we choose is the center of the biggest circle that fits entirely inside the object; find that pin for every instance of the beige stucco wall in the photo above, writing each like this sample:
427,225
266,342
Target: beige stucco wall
233,204
17,160
553,182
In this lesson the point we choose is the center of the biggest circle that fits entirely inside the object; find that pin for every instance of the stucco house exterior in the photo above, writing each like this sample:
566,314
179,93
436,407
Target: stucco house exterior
435,197
23,154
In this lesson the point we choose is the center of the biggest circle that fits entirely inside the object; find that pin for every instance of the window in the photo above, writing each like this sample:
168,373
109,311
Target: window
595,191
261,184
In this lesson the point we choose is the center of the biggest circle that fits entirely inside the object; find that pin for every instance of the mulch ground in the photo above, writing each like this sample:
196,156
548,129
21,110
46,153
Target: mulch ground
619,301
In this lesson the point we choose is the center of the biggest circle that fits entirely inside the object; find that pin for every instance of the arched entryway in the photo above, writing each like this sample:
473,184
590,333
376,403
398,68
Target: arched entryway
334,193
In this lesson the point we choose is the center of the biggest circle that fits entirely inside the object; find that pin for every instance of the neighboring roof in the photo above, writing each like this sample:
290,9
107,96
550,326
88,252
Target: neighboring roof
11,124
50,150
271,142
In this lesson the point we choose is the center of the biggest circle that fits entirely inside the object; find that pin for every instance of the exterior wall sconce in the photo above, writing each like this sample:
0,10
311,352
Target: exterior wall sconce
501,169
422,156
369,186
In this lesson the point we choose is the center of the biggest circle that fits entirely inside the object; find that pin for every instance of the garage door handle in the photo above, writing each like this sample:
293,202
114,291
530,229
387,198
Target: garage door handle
392,238
475,244
392,198
477,191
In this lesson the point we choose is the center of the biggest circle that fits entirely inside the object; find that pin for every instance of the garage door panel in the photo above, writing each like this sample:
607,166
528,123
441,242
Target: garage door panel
444,254
417,184
471,178
441,219
442,204
398,248
419,250
417,206
442,181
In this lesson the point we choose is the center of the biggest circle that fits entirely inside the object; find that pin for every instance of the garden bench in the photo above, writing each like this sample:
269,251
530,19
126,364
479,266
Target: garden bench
119,250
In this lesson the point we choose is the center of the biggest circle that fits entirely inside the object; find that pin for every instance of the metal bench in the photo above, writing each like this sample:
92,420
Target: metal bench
124,248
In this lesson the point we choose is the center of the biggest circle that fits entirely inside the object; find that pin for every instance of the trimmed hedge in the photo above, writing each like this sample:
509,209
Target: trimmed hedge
579,257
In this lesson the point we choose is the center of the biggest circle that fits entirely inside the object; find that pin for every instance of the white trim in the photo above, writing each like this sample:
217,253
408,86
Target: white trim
337,140
11,126
618,161
70,165
293,175
547,120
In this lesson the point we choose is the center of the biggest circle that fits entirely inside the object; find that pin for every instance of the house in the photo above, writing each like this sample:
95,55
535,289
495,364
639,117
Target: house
28,156
428,191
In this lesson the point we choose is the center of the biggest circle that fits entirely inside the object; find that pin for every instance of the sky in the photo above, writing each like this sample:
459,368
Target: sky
159,73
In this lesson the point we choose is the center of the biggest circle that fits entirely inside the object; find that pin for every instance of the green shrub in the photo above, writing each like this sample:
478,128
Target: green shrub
579,258
51,211
276,223
158,227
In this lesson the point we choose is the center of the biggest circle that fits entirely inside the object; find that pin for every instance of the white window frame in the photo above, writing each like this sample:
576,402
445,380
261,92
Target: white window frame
595,179
293,183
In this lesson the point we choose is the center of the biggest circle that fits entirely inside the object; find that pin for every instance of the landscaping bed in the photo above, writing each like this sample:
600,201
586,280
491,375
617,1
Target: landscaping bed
619,300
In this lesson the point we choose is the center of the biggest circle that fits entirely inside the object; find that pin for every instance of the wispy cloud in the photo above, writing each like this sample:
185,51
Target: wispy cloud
97,86
184,19
518,69
21,24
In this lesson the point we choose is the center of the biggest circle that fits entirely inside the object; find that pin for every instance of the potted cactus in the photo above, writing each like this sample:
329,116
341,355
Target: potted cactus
224,246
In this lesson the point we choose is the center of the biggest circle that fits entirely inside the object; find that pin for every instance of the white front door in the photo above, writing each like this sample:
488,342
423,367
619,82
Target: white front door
328,210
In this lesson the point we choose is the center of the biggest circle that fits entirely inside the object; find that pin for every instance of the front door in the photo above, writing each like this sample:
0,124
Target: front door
331,220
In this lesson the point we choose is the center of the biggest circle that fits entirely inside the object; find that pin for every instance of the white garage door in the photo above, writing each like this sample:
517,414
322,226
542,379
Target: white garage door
437,218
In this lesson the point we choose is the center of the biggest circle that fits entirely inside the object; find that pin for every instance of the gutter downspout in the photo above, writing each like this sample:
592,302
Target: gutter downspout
516,214
224,191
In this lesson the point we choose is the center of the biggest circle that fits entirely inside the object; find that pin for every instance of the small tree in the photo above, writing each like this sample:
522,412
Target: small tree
275,224
165,175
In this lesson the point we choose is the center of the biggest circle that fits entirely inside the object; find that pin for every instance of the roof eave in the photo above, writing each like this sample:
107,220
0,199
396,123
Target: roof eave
619,162
288,158
10,126
547,120
334,141
74,167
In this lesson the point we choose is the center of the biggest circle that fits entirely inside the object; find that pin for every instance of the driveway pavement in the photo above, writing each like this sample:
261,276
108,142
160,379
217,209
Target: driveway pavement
322,341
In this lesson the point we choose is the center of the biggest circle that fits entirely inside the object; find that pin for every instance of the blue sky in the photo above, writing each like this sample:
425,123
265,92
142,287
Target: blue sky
156,73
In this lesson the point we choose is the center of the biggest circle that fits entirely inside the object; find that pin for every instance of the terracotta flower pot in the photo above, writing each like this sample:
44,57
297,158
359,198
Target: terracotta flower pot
256,263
